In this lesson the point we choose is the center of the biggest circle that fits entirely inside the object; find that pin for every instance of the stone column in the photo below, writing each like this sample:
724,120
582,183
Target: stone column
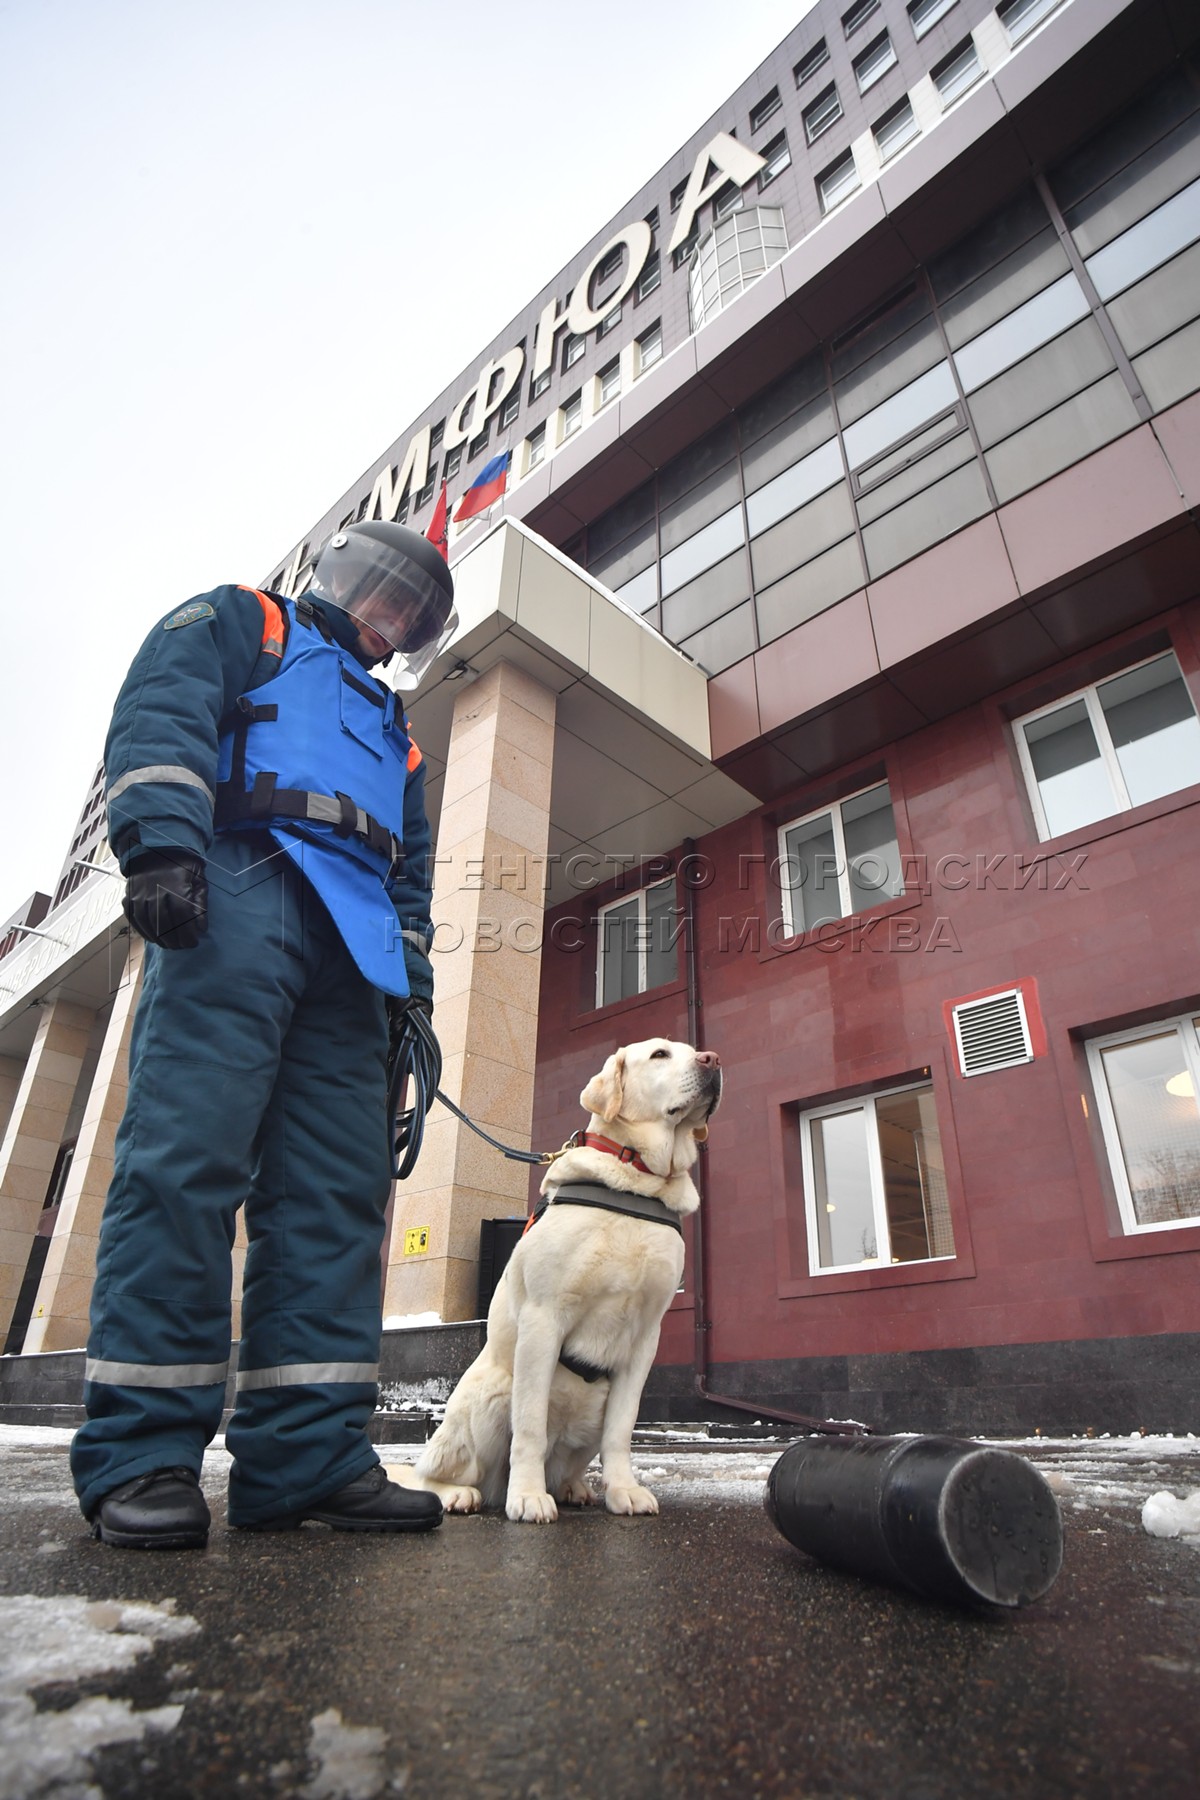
33,1136
60,1311
488,903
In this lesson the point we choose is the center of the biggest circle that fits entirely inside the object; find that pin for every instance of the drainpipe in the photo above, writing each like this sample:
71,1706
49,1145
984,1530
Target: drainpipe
703,1324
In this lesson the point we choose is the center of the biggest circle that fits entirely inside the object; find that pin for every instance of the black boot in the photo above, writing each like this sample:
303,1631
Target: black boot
163,1510
368,1503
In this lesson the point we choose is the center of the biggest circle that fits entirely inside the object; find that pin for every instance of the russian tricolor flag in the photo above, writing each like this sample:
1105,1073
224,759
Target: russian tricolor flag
485,490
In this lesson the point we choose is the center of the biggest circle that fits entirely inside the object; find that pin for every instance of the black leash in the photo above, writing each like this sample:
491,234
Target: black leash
416,1056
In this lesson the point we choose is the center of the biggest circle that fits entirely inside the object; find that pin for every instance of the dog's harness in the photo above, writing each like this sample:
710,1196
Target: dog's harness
593,1193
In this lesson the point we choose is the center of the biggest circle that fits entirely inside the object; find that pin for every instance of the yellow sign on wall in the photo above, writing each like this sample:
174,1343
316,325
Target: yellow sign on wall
416,1240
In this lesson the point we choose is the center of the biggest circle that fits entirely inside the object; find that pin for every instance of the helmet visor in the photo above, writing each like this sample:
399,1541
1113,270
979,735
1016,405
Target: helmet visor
392,596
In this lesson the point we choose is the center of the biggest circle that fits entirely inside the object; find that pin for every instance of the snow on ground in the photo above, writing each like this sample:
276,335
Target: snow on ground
68,1638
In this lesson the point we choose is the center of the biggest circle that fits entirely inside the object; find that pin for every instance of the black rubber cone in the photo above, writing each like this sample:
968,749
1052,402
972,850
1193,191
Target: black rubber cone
945,1517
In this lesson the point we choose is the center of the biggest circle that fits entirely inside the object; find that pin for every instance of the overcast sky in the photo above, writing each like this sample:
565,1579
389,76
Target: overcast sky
245,243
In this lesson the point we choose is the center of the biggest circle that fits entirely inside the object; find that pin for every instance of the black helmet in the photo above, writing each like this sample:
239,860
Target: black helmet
397,584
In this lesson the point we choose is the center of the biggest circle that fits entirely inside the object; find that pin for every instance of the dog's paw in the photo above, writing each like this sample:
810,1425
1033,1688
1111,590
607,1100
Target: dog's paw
460,1499
576,1493
530,1509
634,1499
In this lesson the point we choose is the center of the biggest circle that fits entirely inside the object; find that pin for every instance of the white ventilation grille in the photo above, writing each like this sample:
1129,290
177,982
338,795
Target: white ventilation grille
992,1033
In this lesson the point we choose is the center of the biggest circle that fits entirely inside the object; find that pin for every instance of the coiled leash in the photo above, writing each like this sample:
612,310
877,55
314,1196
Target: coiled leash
415,1056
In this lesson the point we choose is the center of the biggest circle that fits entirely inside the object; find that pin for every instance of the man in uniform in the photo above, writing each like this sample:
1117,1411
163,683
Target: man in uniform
266,804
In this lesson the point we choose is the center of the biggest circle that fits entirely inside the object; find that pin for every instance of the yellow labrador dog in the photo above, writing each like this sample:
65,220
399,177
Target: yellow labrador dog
574,1322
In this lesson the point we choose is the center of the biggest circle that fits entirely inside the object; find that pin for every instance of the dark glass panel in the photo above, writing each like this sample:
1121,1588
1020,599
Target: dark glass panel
1126,137
627,559
810,590
1017,278
803,535
773,405
1171,369
620,520
926,519
1160,304
697,461
779,449
725,642
1062,437
1063,367
706,598
913,480
893,368
877,330
1134,191
999,235
703,503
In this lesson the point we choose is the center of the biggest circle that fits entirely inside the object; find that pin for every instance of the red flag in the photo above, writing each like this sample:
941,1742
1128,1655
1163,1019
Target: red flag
437,533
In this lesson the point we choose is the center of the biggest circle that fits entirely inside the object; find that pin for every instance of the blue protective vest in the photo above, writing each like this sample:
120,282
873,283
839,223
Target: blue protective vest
318,756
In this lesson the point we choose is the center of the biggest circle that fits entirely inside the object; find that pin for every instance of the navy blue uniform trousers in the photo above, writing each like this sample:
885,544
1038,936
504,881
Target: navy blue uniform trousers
257,1076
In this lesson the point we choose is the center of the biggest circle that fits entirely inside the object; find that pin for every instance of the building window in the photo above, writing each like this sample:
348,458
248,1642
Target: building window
1146,1083
478,443
682,254
729,200
609,381
876,60
436,433
1109,747
926,13
573,349
1020,16
535,450
453,464
572,415
609,322
732,255
839,180
957,72
650,277
858,15
810,62
650,347
609,266
822,113
896,128
637,939
766,109
426,493
677,193
839,861
875,1182
538,386
778,157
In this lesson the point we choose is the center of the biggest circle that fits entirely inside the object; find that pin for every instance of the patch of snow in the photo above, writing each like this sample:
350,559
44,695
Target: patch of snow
405,1321
349,1759
69,1638
1165,1516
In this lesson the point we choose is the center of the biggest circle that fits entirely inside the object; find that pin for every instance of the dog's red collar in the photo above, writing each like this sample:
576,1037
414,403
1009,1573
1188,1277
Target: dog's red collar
591,1140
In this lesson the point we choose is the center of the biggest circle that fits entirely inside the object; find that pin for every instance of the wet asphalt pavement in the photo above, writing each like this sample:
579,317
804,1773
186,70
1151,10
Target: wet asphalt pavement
690,1655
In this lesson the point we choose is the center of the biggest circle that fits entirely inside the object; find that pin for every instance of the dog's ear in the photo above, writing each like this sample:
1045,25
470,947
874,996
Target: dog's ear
700,1133
605,1092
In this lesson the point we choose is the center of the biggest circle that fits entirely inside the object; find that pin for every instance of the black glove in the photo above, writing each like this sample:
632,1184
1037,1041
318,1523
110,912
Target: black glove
166,898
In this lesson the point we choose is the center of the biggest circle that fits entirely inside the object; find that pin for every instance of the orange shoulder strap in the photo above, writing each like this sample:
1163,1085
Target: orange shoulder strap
272,637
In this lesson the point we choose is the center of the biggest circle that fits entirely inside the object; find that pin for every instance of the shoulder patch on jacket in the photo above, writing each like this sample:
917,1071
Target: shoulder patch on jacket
188,615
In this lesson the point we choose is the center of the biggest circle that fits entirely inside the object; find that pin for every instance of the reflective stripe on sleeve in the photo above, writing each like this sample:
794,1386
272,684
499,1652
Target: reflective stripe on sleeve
308,1375
170,773
155,1375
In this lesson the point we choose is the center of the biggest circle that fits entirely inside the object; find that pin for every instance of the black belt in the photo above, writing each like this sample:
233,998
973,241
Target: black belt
265,802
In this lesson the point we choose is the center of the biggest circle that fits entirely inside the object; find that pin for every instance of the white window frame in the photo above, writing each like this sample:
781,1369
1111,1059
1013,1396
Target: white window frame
903,111
974,71
573,349
643,940
1090,695
791,928
865,1104
572,415
608,384
649,347
849,162
868,72
1106,1113
535,447
816,123
1026,16
934,10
